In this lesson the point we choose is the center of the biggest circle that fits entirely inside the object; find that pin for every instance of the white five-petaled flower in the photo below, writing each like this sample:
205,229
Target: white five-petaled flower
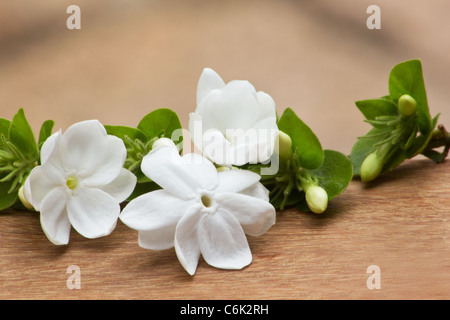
233,124
198,210
80,182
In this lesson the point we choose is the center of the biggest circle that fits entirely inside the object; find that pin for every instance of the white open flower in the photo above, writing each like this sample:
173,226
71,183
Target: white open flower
80,182
233,124
199,210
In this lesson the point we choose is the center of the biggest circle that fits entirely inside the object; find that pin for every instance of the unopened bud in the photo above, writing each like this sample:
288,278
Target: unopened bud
284,146
23,199
163,142
407,105
371,167
316,199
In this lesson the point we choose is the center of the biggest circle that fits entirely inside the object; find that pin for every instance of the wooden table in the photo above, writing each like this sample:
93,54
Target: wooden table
399,223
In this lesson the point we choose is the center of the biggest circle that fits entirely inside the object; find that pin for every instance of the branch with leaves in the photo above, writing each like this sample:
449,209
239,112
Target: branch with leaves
402,127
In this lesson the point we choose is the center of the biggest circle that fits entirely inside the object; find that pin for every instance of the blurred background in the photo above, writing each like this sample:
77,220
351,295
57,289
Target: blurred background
131,57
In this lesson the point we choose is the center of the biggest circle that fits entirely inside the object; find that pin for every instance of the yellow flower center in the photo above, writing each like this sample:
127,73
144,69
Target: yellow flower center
72,182
206,200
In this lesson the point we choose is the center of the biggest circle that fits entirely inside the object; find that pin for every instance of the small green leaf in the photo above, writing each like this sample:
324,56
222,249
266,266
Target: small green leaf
407,78
304,142
334,174
143,188
373,108
21,135
7,199
122,131
365,145
45,132
4,126
161,123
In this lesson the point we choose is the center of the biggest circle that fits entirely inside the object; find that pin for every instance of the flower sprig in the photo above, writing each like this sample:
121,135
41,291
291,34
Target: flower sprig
402,127
252,163
19,154
308,176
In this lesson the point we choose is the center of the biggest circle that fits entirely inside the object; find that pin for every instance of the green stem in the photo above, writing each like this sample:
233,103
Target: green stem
440,138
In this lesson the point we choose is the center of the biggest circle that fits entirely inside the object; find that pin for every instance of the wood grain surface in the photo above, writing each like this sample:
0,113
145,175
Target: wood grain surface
399,223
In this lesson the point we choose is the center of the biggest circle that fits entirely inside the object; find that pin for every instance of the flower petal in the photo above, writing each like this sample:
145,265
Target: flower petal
258,190
81,145
242,105
154,210
209,80
181,176
216,147
92,212
267,135
54,220
47,147
236,180
255,215
52,165
158,239
267,108
110,165
37,187
213,111
186,240
222,241
121,187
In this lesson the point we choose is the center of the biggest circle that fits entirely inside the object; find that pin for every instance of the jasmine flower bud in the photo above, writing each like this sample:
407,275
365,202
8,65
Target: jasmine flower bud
284,146
407,105
24,200
371,167
317,199
163,142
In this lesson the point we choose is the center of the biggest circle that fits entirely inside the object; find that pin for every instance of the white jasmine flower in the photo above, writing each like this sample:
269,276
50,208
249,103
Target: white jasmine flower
199,210
233,124
80,182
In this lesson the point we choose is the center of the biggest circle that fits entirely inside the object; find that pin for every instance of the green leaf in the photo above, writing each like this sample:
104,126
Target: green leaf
304,142
365,145
21,135
143,188
161,123
334,174
4,126
7,199
373,108
407,78
122,131
45,132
